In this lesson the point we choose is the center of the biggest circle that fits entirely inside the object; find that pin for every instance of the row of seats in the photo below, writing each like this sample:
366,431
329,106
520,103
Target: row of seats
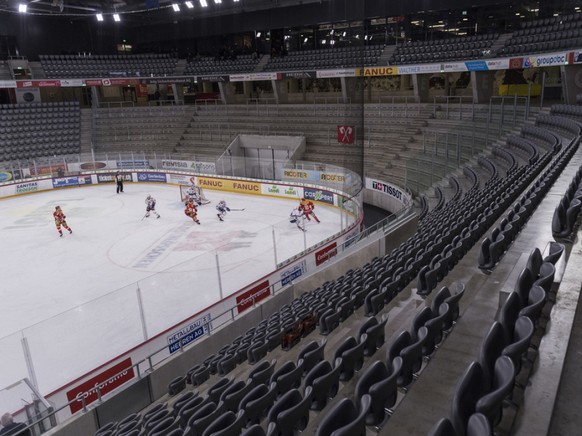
472,47
538,47
207,65
565,218
561,19
377,389
58,66
566,126
492,248
488,382
39,129
543,35
108,57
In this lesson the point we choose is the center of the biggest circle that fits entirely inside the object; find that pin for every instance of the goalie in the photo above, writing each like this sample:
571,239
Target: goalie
193,193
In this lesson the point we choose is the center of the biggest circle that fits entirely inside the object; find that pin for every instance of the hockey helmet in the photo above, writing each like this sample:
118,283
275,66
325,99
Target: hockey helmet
149,197
57,207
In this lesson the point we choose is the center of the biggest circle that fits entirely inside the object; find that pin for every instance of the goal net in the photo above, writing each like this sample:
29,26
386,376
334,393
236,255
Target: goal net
198,191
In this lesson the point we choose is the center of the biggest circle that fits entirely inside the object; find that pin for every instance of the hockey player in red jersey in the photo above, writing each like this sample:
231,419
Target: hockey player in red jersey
307,206
192,211
60,220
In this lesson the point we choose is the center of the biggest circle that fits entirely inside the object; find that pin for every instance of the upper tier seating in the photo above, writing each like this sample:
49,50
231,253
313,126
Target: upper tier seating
144,65
39,129
471,47
209,65
341,57
548,34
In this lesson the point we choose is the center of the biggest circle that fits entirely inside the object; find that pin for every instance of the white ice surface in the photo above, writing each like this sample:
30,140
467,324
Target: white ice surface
75,298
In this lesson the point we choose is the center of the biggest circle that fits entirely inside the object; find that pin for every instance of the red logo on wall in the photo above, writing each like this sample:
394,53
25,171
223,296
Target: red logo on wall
256,293
107,381
325,254
516,63
345,134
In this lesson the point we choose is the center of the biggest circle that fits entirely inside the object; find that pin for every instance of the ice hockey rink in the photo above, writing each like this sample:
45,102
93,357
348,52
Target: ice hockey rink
56,290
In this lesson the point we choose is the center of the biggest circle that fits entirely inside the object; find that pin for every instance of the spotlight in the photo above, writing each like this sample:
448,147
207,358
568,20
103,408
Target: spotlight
99,17
22,8
116,18
175,7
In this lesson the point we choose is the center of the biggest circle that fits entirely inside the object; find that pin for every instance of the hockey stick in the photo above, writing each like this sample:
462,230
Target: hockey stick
237,210
144,217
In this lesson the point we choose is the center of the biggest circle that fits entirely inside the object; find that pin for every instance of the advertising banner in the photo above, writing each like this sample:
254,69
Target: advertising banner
296,175
252,77
325,254
61,182
179,179
189,333
480,65
71,82
38,83
377,71
388,189
545,60
256,294
138,163
281,190
419,69
151,177
330,74
110,178
320,195
24,188
230,185
165,80
216,78
5,176
340,179
103,381
299,75
7,84
346,134
452,67
294,272
201,167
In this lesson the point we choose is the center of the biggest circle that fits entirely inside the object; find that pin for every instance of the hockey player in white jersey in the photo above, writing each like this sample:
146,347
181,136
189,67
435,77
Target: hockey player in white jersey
222,208
297,217
151,206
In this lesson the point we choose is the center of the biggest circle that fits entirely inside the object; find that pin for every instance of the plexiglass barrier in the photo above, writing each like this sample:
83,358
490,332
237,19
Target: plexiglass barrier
58,350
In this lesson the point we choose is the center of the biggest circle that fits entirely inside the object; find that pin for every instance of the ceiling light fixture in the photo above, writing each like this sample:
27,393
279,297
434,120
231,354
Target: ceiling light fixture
189,5
99,17
203,3
175,7
22,8
116,18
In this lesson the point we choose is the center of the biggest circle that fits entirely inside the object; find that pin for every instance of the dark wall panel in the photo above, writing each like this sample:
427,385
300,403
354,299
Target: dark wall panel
53,35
